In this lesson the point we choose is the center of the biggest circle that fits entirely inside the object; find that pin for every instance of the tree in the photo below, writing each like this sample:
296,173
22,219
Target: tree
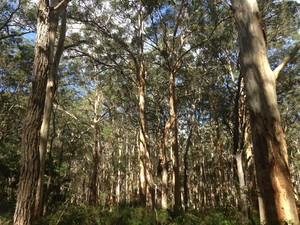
54,59
270,149
139,82
30,157
30,164
146,176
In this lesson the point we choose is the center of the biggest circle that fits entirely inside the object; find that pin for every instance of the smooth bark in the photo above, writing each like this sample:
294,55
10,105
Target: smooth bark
270,149
146,177
239,131
54,58
243,188
174,142
185,174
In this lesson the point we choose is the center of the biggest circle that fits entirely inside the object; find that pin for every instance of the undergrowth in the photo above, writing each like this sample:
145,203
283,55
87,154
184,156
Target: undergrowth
134,215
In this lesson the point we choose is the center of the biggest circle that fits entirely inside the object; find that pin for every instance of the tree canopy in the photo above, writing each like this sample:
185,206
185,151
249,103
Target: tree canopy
151,116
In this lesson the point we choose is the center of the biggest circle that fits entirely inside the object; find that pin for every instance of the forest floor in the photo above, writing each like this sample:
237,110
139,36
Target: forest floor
135,215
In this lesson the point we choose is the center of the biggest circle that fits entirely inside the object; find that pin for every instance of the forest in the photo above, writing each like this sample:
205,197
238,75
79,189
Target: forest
149,112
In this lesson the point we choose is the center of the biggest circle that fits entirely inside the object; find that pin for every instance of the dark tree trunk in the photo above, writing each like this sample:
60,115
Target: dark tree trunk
30,157
185,175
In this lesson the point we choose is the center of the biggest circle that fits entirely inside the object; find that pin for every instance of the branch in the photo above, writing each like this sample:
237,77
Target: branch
65,111
61,6
61,39
10,16
15,35
79,42
82,53
286,60
226,4
203,42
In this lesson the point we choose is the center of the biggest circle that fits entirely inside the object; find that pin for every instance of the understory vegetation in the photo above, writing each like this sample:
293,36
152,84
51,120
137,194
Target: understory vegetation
68,214
167,112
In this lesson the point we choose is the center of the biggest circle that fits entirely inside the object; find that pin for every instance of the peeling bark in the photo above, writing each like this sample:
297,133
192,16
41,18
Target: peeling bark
270,149
146,177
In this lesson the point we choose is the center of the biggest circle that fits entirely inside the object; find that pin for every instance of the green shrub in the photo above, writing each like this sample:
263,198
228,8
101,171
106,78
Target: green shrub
137,215
6,218
73,215
127,215
162,217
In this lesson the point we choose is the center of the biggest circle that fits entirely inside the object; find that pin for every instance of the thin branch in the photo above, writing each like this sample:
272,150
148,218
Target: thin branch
226,4
203,42
10,16
65,111
79,42
16,35
83,53
286,60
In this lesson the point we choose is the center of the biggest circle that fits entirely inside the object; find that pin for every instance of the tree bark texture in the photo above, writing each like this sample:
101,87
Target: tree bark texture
30,157
270,149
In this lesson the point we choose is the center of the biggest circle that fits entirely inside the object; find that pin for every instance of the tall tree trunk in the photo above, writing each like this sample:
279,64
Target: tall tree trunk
119,178
221,173
164,163
270,149
45,199
146,177
129,172
251,176
241,177
54,58
174,143
238,147
30,157
185,174
93,189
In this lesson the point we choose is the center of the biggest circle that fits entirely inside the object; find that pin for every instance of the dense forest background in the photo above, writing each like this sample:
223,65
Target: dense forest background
148,122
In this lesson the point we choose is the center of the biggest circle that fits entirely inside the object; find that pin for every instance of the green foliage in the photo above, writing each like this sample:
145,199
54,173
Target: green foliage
72,215
162,216
6,218
220,216
217,218
16,59
136,215
17,17
129,216
106,59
